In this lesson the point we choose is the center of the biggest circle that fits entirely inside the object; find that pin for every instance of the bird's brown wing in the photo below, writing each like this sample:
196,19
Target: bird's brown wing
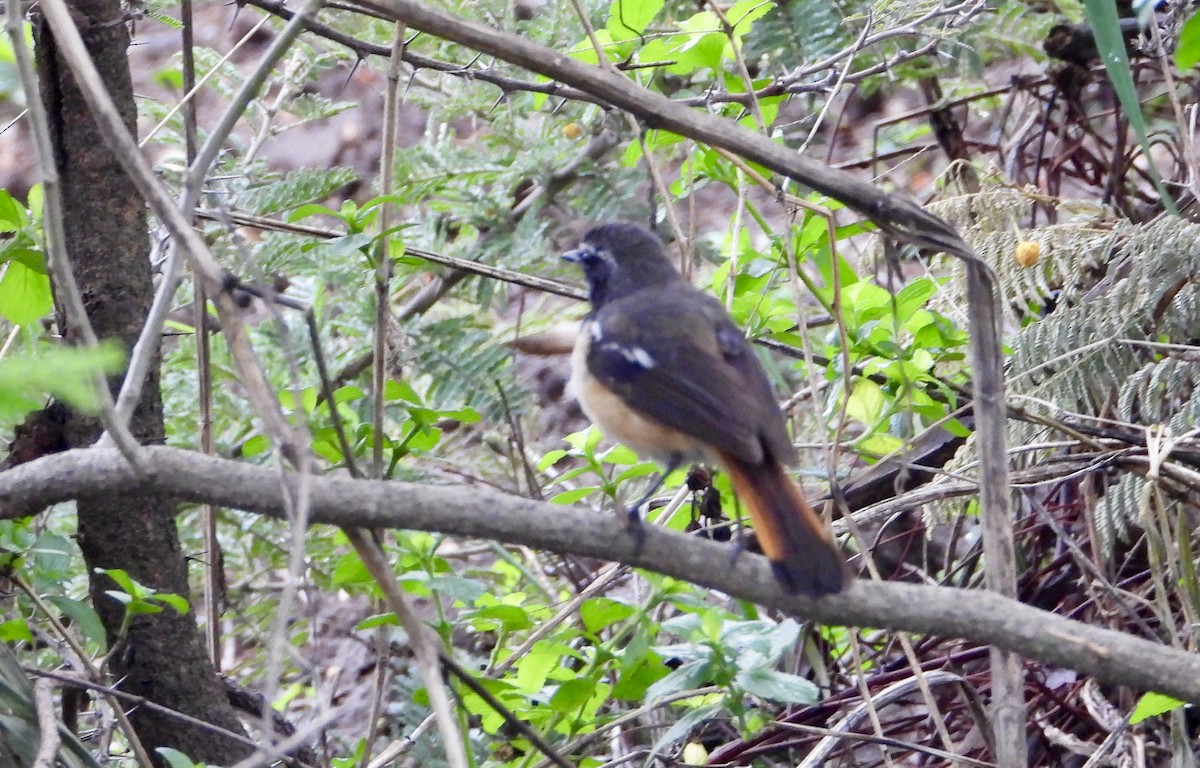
695,373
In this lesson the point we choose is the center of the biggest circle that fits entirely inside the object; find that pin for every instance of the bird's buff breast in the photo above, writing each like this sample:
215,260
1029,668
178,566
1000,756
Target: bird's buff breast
618,420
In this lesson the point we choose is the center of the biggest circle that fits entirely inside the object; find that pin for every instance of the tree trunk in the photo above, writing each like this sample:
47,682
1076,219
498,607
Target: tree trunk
163,658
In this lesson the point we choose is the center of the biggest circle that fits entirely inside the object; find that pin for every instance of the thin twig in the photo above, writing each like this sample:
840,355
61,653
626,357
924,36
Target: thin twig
48,738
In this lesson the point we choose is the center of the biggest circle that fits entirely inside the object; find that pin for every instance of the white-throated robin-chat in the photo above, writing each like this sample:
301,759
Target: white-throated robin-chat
663,368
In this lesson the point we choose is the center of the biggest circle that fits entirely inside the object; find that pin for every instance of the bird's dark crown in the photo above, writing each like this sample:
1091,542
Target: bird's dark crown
619,258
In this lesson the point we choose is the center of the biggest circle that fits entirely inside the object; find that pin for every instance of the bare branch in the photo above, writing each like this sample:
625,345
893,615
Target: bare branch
978,615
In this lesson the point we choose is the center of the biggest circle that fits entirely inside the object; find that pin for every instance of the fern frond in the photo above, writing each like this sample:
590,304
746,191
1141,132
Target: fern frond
293,189
1126,302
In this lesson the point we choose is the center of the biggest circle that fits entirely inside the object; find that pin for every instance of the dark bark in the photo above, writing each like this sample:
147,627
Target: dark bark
163,658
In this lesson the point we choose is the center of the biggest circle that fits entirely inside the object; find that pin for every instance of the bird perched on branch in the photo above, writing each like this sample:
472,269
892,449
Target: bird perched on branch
662,367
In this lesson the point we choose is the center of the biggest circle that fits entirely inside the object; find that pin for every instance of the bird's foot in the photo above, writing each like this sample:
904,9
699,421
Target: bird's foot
739,546
636,528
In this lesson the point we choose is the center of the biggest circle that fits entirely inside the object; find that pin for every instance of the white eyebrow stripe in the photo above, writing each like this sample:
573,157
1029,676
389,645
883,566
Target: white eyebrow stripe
636,355
639,356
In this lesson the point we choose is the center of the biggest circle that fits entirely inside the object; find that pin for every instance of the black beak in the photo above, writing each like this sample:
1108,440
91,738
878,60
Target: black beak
579,255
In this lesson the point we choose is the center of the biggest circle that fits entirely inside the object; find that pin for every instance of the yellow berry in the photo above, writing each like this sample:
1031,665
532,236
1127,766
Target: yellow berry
1028,253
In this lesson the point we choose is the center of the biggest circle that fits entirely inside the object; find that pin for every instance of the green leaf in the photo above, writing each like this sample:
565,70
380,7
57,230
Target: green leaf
458,588
124,581
533,670
82,615
1187,52
743,14
573,495
866,402
13,215
699,45
256,445
174,758
628,19
170,78
550,459
685,725
779,687
349,570
572,695
180,604
313,209
346,246
601,612
635,679
65,373
510,617
584,50
912,296
14,631
1152,704
879,444
25,288
683,678
52,558
378,620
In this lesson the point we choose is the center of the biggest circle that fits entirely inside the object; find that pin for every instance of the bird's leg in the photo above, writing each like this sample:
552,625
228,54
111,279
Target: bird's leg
739,541
633,519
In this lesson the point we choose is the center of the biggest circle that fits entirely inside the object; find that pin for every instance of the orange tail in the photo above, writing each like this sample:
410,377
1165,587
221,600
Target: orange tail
802,554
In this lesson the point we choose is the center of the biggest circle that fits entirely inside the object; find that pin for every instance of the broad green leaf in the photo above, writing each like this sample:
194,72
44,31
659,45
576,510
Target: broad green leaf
550,459
866,402
685,725
377,620
683,678
573,495
255,445
124,581
174,758
52,558
533,670
25,288
628,19
180,604
601,612
779,687
82,616
65,373
879,444
584,50
572,695
743,14
912,296
350,570
13,215
15,631
635,679
510,617
1187,52
459,588
1152,704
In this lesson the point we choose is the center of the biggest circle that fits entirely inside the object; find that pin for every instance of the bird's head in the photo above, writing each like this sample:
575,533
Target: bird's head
619,258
